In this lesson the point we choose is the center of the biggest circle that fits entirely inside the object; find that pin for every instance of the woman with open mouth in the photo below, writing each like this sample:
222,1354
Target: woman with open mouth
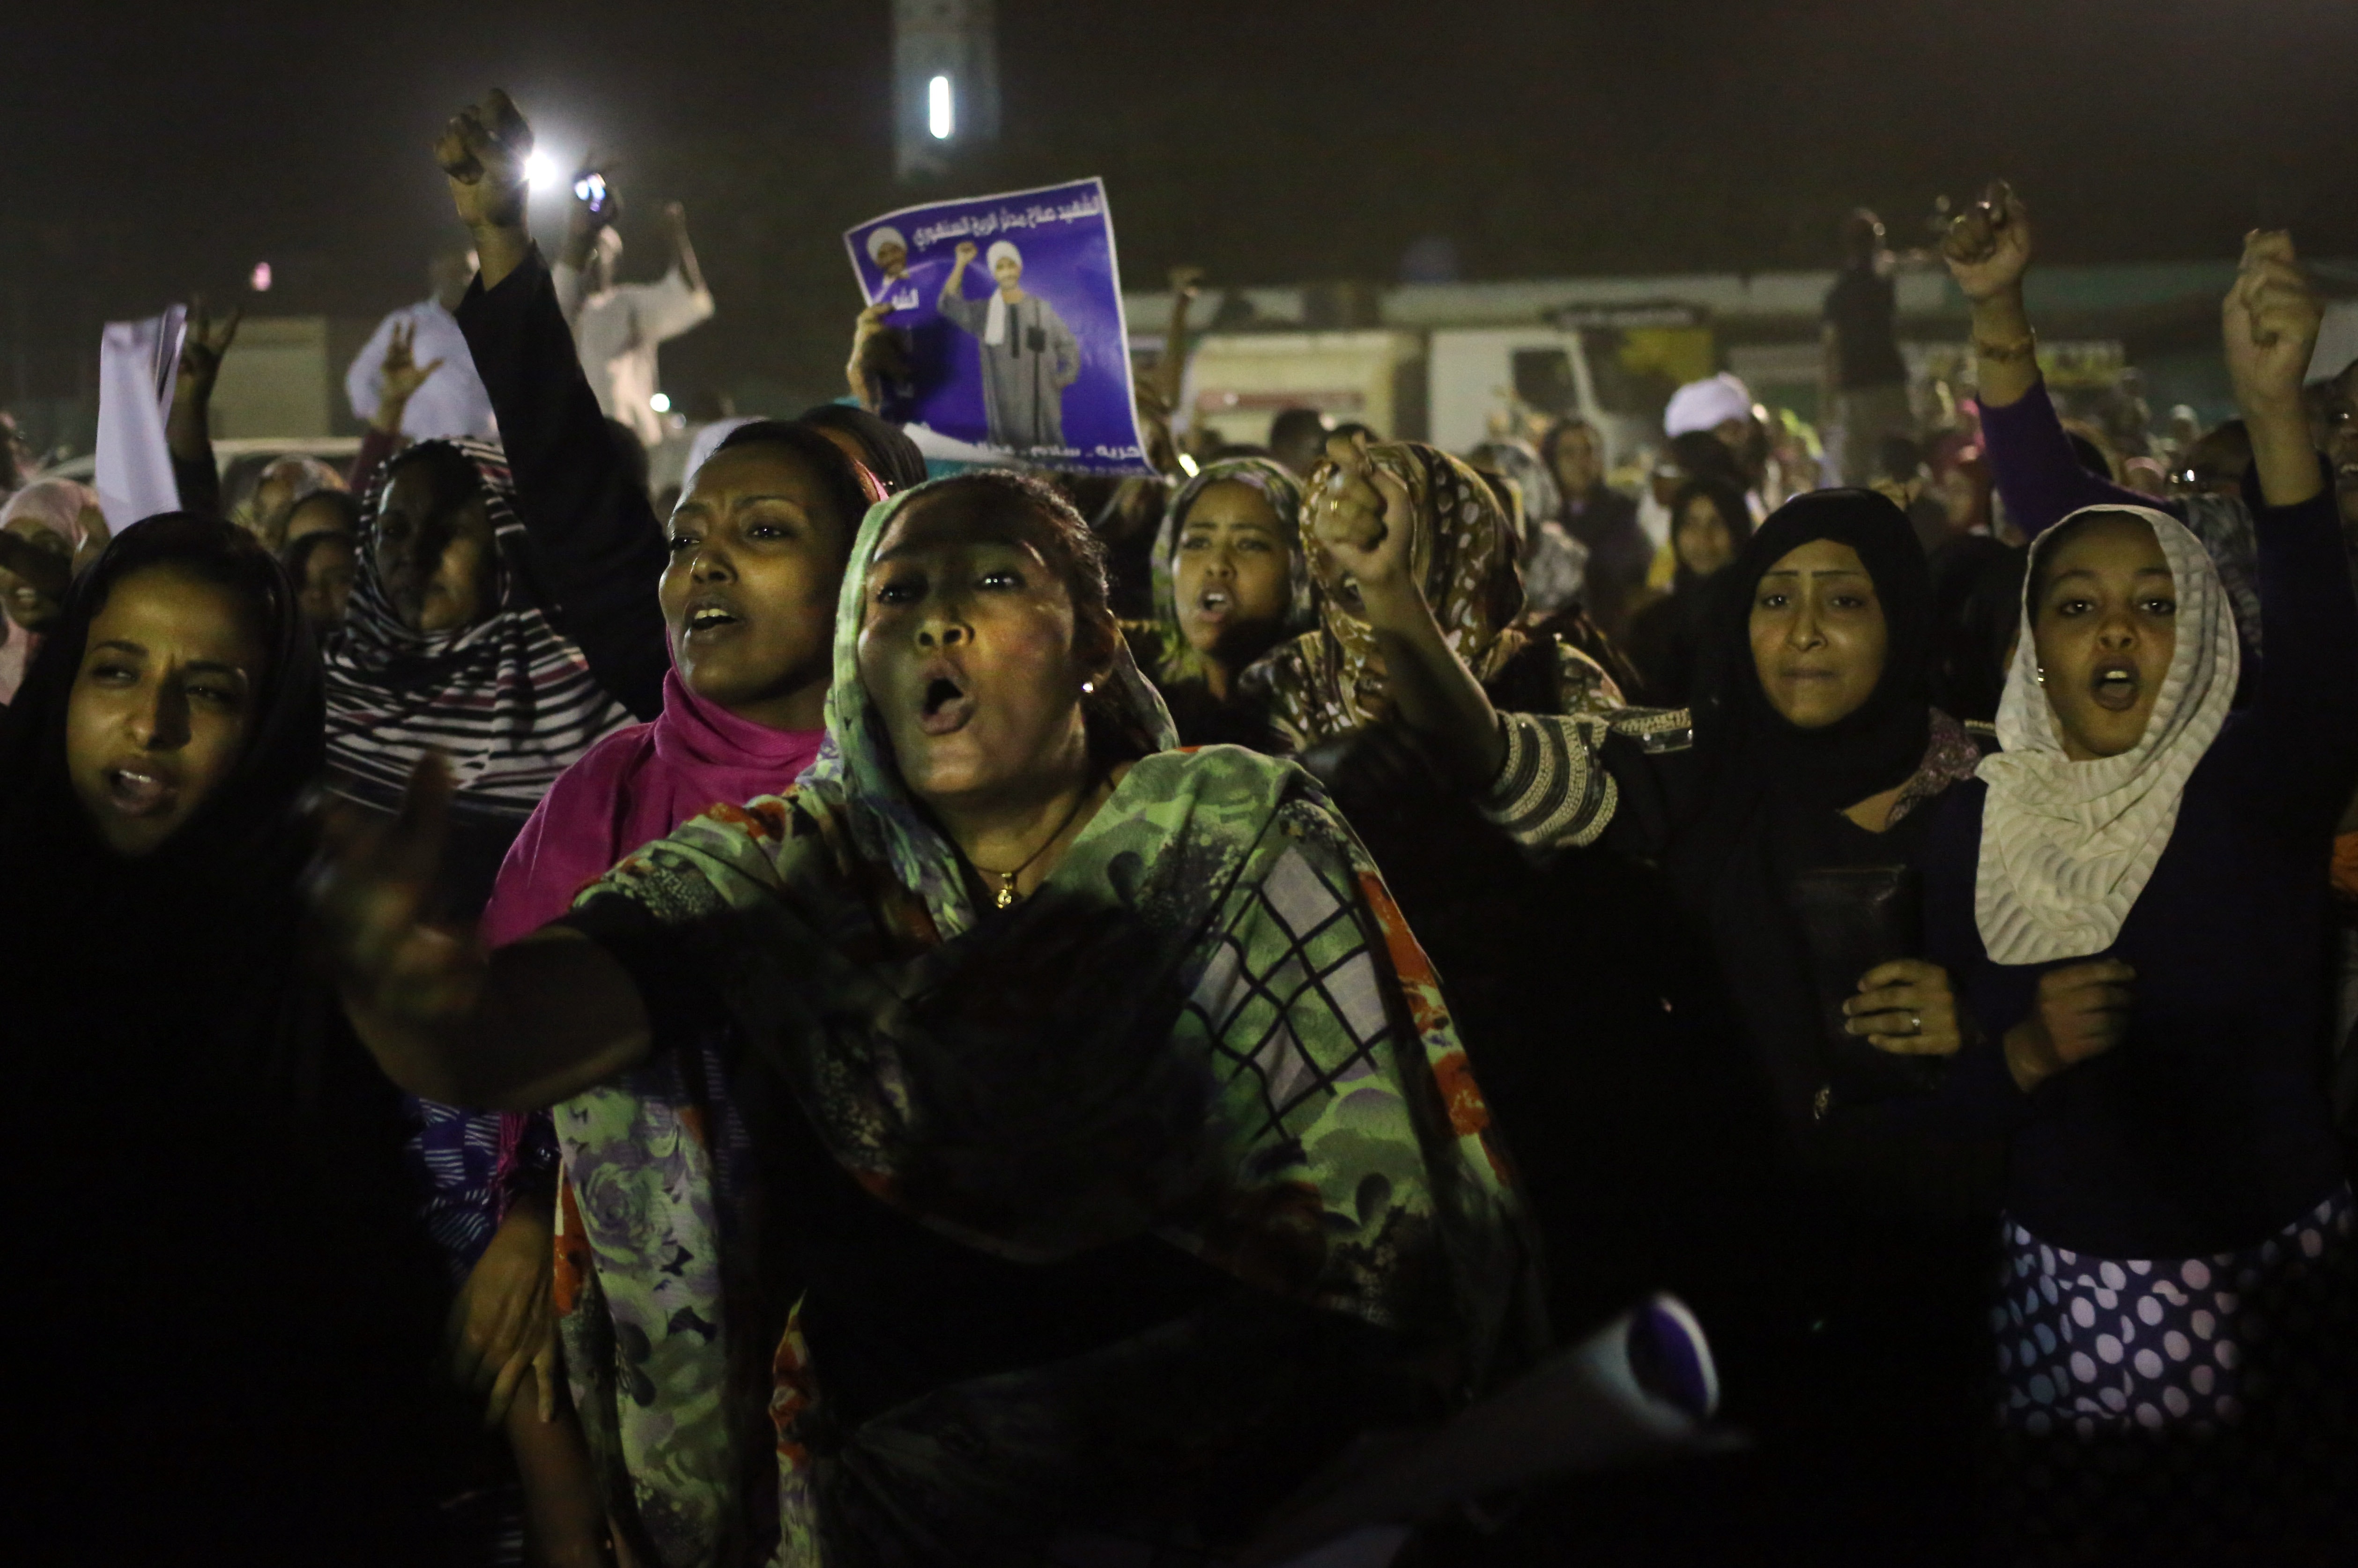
242,1298
1072,1166
1230,582
2131,897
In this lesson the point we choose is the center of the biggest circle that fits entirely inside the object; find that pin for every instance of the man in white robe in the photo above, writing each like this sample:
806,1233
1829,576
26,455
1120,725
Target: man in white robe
1028,355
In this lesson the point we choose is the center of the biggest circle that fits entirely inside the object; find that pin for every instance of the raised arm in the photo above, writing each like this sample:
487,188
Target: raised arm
1988,250
952,302
188,429
598,535
1170,371
517,1029
2309,690
683,253
1362,521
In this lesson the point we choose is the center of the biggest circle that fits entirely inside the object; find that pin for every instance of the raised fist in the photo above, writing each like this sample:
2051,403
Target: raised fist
483,150
2269,325
1987,246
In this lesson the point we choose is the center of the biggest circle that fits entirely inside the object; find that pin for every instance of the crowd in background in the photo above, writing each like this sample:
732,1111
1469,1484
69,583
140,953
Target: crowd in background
636,994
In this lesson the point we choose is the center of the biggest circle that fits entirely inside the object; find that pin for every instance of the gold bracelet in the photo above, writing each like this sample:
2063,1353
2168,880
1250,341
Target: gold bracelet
2015,352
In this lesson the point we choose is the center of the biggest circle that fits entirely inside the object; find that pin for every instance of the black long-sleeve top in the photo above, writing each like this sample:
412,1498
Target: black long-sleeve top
597,544
2207,1128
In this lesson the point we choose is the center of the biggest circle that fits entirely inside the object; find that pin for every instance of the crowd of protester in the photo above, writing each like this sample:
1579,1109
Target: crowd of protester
865,1014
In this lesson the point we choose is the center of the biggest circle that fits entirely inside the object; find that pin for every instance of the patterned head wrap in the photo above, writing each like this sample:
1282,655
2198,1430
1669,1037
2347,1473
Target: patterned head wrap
856,772
1462,552
507,698
1276,485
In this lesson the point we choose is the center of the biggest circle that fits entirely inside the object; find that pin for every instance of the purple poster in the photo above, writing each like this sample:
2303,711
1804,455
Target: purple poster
1009,312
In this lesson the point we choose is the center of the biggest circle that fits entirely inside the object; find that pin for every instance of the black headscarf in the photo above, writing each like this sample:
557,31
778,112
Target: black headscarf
1727,500
241,1306
893,456
1749,746
1768,794
237,844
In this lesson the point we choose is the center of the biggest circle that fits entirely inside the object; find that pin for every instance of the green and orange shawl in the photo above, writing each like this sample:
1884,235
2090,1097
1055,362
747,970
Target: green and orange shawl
1210,1022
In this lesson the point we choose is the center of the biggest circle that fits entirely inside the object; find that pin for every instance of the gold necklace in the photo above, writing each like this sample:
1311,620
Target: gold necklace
1006,895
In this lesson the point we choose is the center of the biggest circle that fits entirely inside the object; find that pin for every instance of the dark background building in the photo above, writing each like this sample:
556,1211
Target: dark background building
155,148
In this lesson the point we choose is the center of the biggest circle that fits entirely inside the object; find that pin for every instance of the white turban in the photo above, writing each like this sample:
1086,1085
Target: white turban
878,238
994,321
1706,405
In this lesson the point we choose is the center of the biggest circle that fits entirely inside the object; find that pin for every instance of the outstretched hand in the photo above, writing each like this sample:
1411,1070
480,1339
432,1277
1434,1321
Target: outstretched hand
483,150
1987,246
372,892
1360,520
401,375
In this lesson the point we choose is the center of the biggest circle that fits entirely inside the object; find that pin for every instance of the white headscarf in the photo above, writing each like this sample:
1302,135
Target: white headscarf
994,321
2066,847
1706,405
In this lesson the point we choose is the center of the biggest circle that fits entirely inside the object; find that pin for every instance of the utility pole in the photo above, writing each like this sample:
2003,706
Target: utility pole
945,82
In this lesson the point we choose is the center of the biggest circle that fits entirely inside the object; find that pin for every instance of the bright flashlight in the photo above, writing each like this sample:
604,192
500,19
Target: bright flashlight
539,169
660,403
938,116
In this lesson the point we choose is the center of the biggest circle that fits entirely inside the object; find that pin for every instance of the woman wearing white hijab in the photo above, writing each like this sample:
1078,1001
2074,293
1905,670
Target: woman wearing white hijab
2131,900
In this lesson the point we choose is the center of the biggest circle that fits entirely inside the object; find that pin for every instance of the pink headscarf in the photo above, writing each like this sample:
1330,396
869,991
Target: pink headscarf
636,785
632,787
55,504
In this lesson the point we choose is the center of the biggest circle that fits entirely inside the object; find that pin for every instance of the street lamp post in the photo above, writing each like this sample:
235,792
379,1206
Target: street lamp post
945,82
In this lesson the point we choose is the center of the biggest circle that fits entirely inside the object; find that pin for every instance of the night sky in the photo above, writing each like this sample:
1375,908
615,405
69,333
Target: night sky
156,149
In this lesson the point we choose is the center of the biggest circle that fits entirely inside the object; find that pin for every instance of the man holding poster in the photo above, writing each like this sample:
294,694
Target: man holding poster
1028,355
1031,362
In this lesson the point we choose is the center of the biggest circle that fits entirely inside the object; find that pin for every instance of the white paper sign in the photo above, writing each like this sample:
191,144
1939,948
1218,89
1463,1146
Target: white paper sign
139,364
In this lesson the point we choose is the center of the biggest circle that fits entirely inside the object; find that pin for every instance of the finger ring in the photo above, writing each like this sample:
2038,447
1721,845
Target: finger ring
1915,1023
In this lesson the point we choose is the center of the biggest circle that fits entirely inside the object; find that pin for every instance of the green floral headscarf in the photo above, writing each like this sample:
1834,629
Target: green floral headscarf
1210,1023
855,771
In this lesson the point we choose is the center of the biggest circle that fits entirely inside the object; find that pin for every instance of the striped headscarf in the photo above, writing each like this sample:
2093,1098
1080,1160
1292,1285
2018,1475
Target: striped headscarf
508,698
